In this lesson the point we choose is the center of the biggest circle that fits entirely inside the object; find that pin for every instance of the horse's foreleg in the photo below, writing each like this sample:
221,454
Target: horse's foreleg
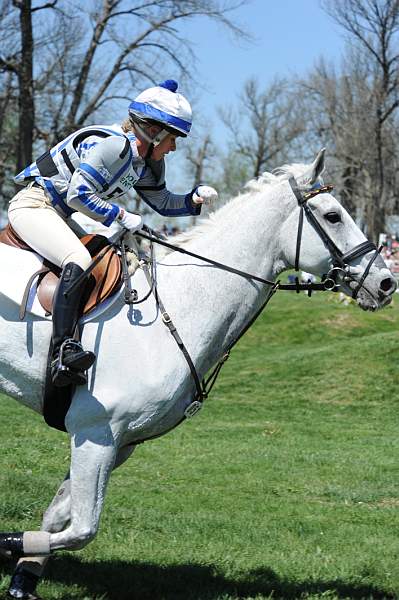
57,516
30,568
82,504
92,459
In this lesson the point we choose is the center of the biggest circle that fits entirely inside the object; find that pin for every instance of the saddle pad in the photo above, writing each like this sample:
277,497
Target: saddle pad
16,268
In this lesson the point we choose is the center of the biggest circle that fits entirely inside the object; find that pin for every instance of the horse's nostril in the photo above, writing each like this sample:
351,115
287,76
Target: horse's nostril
388,284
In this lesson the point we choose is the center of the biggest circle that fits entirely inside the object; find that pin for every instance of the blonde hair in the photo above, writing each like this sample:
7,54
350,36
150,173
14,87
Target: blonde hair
127,126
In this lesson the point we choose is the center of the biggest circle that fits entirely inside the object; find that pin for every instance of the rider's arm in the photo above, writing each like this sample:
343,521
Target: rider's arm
95,176
152,189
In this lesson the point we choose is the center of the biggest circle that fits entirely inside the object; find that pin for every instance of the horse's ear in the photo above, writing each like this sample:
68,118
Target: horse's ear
317,166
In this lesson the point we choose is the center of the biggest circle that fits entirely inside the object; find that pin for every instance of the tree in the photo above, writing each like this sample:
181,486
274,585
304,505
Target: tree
373,28
263,126
19,62
235,173
263,131
76,67
8,127
198,156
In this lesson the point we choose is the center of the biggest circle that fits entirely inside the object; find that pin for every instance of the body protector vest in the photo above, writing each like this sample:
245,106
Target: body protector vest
94,166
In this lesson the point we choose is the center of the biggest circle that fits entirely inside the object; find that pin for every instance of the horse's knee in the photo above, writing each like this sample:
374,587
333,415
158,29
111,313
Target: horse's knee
83,536
73,538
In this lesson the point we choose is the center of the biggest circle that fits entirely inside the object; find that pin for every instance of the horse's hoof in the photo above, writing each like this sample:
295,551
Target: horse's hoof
23,585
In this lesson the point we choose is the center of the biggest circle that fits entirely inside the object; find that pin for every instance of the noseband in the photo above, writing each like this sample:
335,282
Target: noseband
340,261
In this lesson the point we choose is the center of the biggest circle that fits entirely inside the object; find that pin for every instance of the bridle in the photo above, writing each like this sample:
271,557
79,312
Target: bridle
340,261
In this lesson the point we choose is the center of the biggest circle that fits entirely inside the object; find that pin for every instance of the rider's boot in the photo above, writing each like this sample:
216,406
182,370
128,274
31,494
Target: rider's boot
69,361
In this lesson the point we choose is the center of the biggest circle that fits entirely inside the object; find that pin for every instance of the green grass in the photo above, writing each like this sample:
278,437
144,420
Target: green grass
285,486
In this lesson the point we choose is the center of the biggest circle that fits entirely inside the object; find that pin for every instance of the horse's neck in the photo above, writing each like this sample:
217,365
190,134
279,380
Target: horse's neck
215,305
245,233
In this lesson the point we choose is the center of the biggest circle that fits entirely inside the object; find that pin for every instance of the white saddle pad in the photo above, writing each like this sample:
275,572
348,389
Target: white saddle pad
16,268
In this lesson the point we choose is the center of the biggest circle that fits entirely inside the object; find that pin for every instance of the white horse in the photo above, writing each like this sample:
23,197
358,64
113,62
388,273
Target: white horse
141,385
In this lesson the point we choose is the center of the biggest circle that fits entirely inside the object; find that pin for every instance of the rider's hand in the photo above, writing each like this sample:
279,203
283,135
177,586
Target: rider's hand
129,220
204,194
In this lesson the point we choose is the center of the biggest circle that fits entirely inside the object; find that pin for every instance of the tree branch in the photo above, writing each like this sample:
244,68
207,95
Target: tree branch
47,5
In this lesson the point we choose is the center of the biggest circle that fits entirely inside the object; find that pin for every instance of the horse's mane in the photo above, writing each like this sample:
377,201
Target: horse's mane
301,173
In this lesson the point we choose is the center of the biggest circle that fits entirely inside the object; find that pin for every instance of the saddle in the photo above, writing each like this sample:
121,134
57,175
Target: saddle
104,280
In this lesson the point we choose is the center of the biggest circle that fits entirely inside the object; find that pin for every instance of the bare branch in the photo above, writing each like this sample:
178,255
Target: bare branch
47,5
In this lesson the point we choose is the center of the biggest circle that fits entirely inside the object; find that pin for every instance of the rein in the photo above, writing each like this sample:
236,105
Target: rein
157,240
294,287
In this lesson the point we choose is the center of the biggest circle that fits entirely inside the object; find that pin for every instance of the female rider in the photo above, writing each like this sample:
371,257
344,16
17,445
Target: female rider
87,172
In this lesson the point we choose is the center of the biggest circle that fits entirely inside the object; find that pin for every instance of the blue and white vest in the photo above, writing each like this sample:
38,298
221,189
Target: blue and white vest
94,166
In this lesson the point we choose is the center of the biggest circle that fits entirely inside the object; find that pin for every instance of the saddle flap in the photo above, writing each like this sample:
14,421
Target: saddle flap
104,280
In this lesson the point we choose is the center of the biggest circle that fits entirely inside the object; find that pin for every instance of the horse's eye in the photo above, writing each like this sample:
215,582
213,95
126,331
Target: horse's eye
333,217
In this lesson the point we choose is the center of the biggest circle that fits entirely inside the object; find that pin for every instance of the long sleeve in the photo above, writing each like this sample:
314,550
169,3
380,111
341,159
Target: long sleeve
83,197
152,189
98,179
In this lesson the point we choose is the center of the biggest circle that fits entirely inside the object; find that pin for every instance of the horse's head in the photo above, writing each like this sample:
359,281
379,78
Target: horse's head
320,237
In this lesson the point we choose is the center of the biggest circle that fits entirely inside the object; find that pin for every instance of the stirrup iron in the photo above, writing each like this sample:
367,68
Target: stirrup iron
75,357
71,364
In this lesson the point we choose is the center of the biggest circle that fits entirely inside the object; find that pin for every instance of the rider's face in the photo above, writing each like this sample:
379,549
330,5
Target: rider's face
167,145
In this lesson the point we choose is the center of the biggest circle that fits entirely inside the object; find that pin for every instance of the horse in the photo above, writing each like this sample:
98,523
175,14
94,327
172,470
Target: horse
141,385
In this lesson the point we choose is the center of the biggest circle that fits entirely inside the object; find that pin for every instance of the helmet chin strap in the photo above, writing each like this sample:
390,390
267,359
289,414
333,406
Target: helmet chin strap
153,142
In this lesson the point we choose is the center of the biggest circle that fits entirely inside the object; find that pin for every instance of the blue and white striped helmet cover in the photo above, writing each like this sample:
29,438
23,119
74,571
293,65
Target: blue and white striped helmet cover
162,104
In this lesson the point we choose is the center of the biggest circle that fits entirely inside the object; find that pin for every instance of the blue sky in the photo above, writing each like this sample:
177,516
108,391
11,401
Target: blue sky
289,36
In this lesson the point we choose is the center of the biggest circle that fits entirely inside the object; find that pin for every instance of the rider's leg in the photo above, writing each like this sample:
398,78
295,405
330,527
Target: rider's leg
69,360
39,224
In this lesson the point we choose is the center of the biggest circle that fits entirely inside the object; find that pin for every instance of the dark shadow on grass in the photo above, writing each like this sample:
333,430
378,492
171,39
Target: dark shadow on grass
120,580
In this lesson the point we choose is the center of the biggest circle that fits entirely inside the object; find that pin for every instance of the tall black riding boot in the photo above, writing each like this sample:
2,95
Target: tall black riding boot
69,361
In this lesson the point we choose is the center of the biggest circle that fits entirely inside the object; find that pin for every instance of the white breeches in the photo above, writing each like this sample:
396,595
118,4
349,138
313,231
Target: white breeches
37,222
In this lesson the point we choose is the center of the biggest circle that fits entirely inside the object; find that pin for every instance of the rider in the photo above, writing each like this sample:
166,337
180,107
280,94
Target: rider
87,172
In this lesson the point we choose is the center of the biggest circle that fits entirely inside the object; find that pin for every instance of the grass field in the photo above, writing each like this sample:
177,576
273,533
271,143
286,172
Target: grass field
285,486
